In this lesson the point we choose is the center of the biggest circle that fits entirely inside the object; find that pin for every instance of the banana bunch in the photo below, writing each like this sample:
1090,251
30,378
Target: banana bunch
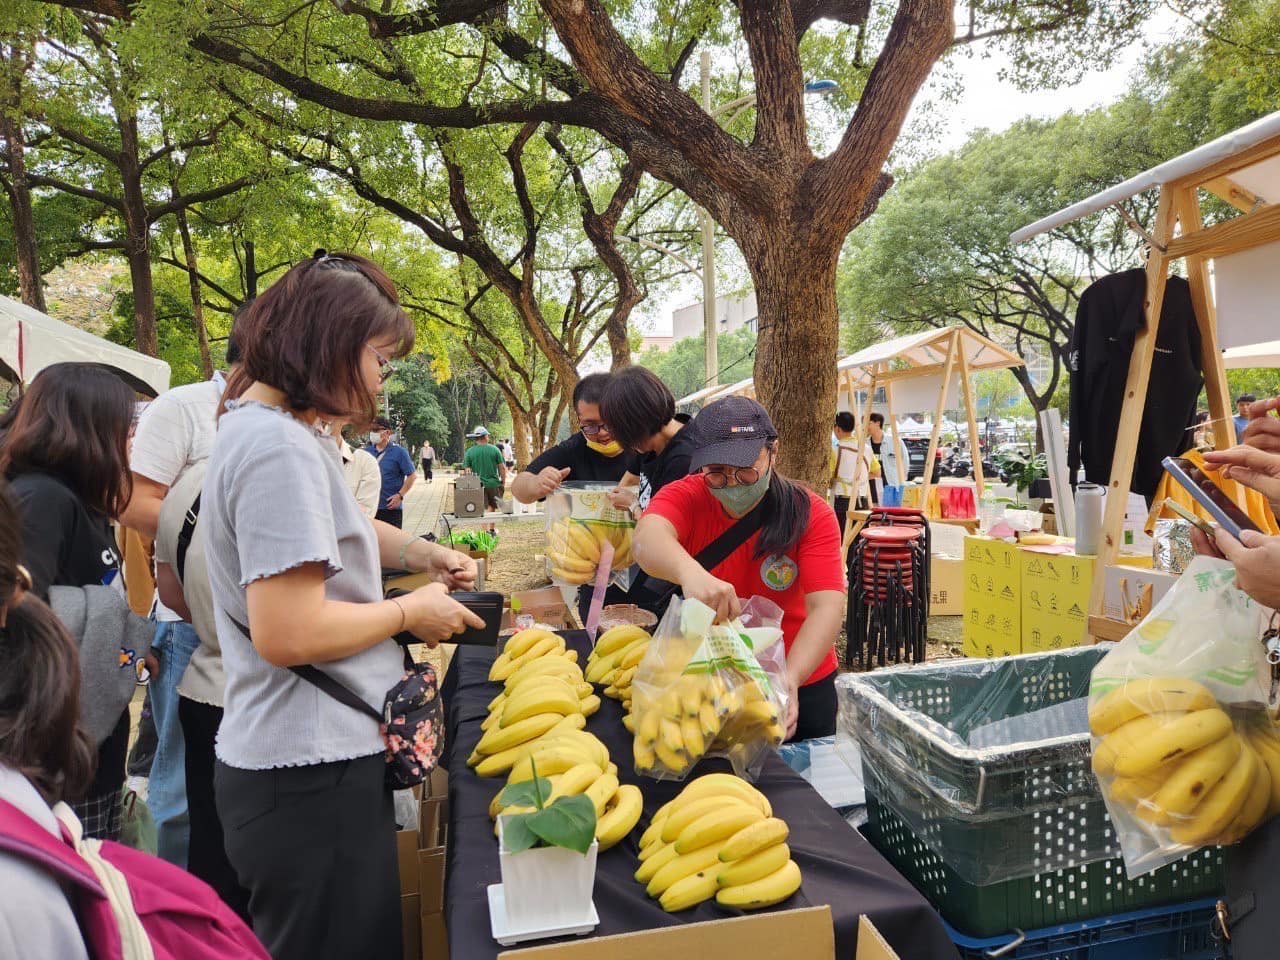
1171,755
576,762
527,646
614,662
573,548
725,714
719,839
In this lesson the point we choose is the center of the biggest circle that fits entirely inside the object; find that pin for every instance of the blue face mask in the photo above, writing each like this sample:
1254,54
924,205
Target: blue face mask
737,500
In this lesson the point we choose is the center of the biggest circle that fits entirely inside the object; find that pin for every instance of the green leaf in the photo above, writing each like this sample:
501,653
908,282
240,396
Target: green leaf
527,793
569,822
516,835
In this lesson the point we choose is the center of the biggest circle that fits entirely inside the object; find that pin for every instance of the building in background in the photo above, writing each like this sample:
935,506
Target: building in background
732,313
662,344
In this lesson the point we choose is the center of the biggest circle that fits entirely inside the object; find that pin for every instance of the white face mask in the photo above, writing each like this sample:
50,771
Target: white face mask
375,437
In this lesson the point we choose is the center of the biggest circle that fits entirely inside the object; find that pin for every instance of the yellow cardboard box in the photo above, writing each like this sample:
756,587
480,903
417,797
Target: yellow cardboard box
946,586
992,598
1055,600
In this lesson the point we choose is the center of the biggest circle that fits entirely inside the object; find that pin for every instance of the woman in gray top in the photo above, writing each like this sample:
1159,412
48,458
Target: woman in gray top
308,819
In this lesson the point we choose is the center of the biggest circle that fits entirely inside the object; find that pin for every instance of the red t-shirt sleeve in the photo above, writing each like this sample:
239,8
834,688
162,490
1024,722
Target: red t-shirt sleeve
677,504
818,552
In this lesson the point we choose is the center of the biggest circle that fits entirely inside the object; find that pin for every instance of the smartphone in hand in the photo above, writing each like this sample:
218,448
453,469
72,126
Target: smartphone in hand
1209,495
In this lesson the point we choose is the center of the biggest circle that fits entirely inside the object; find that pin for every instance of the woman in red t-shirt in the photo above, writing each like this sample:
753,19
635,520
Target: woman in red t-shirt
793,559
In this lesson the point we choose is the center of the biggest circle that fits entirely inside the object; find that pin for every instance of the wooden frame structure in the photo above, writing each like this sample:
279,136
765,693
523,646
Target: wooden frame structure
1231,169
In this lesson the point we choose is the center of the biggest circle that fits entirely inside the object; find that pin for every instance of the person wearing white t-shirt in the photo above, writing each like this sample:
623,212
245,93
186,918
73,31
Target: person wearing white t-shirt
361,471
175,432
849,475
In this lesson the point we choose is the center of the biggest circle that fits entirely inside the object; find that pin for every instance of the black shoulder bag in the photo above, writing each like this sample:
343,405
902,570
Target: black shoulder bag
653,594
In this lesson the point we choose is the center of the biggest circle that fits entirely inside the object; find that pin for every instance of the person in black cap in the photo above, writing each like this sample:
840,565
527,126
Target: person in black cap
1241,419
793,559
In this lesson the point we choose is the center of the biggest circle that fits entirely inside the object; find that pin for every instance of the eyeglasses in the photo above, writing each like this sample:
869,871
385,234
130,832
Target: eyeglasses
719,479
591,429
385,367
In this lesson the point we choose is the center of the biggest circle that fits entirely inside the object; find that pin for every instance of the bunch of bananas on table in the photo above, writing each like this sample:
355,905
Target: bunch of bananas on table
614,662
719,839
724,713
573,548
544,693
1169,753
576,762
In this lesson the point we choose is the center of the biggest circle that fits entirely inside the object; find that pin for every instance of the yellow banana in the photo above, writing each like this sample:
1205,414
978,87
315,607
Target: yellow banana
1172,741
679,819
630,723
764,833
589,705
689,892
1130,791
616,638
663,855
549,695
635,653
691,734
1254,808
716,825
501,668
653,833
643,755
755,867
620,817
520,642
549,762
575,781
571,655
586,741
683,866
491,720
1124,737
1190,783
602,791
1269,753
496,764
584,689
543,666
574,721
596,671
649,725
1148,695
775,888
568,576
496,701
574,564
1224,802
709,721
497,739
721,785
583,544
669,746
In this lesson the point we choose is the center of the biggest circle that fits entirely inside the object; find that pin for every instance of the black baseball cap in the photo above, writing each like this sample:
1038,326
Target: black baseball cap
1246,398
731,431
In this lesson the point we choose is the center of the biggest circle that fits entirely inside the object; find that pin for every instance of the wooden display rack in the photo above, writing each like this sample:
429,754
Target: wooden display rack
1217,168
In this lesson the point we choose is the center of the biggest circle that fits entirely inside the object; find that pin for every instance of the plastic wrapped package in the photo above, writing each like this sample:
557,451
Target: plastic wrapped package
710,690
986,761
1183,743
582,528
1171,549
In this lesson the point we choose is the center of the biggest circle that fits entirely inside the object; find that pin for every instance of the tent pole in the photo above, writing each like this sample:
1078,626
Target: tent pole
1135,400
899,449
860,438
966,382
947,372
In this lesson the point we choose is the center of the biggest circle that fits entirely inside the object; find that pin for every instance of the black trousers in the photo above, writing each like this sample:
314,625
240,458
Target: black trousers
315,846
841,507
393,517
817,709
426,468
206,852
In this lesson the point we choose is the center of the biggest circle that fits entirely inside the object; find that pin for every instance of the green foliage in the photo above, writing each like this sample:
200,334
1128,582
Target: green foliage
683,367
568,822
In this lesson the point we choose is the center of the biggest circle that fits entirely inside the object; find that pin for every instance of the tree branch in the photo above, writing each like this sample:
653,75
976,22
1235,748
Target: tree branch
427,18
185,200
779,81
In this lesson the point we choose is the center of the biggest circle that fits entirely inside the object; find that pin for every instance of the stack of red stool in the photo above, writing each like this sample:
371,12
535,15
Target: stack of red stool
888,611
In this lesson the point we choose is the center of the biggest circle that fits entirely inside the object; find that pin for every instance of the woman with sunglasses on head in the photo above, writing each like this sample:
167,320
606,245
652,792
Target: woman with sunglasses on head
65,451
294,568
793,559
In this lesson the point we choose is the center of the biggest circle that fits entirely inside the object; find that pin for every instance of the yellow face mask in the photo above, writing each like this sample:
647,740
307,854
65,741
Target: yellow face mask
610,449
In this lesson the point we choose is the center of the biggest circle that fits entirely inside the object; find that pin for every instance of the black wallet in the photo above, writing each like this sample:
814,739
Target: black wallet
487,605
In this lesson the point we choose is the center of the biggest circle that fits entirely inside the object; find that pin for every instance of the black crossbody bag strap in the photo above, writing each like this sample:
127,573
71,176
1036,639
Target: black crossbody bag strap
318,678
184,539
714,553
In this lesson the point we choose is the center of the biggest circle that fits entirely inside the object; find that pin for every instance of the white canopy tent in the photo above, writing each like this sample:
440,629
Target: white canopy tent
1236,310
31,341
1259,355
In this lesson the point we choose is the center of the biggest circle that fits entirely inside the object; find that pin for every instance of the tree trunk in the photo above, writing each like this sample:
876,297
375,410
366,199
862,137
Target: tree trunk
137,226
24,226
197,304
250,272
796,352
520,435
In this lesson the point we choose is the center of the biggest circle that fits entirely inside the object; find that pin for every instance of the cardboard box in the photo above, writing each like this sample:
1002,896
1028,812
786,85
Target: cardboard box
545,605
1055,600
433,828
992,598
871,945
467,503
411,928
805,934
946,586
1135,578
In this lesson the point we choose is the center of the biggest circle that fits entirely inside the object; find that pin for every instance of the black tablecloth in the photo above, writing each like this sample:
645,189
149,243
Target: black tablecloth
840,868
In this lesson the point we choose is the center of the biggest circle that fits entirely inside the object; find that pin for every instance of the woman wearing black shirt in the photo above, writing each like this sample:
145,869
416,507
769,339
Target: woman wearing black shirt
64,451
641,414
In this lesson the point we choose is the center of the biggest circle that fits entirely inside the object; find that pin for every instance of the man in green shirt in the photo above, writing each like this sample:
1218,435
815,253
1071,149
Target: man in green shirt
485,461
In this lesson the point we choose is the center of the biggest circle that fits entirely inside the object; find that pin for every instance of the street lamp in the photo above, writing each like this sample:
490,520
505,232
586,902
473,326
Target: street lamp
820,88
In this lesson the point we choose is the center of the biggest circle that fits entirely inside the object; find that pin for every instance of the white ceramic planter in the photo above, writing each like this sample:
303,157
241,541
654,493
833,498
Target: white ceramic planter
547,886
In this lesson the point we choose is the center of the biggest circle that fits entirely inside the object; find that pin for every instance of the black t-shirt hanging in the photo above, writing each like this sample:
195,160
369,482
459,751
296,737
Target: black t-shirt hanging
584,463
657,470
64,543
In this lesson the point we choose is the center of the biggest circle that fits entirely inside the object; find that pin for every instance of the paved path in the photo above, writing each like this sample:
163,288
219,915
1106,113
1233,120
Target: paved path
427,501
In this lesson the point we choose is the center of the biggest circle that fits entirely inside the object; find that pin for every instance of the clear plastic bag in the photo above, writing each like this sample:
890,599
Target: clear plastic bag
583,527
710,690
1183,746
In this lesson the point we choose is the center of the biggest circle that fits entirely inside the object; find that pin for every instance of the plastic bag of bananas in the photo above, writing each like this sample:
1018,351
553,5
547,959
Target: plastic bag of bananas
580,522
1184,745
710,690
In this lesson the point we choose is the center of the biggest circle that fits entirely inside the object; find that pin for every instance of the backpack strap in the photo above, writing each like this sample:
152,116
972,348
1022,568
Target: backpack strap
184,538
23,836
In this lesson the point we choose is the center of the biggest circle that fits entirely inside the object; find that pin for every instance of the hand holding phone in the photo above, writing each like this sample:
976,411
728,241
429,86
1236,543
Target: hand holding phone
1209,495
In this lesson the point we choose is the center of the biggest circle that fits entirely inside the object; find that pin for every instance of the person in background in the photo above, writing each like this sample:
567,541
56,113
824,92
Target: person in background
65,454
294,571
849,470
428,460
509,454
398,473
877,441
593,454
1243,404
641,415
174,433
1200,431
485,461
793,559
360,470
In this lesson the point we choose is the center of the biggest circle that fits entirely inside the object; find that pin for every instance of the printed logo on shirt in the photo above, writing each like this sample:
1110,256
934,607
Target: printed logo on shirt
779,572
